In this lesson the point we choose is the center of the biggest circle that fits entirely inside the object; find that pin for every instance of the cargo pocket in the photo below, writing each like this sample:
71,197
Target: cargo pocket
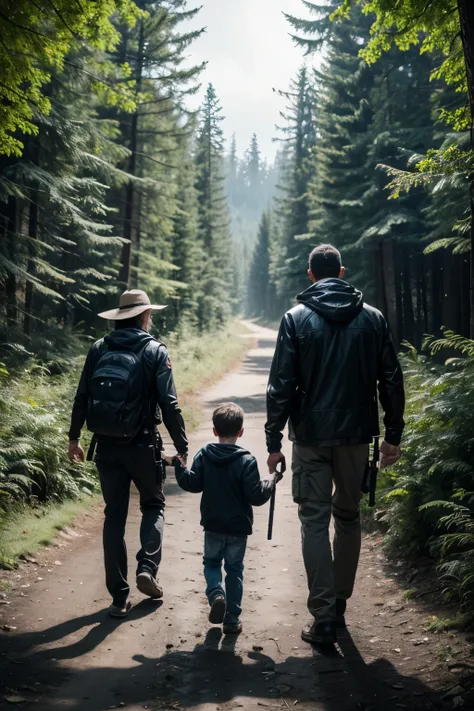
300,485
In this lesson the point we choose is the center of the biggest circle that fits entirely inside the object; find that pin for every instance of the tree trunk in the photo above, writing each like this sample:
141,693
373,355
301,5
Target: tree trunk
137,239
419,300
466,17
380,301
424,292
11,283
437,292
397,270
126,257
408,316
464,297
390,288
33,234
451,276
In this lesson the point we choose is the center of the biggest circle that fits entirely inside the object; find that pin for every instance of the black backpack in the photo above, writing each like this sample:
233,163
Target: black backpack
118,404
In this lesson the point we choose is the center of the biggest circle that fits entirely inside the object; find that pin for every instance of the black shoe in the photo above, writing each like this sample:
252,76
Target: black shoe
217,613
321,634
232,627
148,585
119,610
340,610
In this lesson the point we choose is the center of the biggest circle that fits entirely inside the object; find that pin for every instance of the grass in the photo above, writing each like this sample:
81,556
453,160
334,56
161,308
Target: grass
461,621
25,529
198,362
201,362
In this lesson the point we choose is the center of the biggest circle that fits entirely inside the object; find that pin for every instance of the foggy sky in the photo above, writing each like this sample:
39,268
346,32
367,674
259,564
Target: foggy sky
249,52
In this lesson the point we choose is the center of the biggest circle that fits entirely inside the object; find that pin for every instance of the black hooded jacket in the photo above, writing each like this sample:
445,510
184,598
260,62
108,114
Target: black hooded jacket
332,352
158,376
228,478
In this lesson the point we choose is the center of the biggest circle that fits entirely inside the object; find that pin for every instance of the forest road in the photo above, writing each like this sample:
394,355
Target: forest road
64,652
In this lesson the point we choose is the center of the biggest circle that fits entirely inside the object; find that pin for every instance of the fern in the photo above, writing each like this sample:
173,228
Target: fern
33,461
431,504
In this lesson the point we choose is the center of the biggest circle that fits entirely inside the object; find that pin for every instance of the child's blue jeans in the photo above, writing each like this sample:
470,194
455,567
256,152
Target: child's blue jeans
219,548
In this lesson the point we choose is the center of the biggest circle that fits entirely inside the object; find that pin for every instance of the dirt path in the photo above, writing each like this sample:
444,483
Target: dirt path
66,653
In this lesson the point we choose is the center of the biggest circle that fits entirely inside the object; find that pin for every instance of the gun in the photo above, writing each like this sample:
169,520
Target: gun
370,482
272,508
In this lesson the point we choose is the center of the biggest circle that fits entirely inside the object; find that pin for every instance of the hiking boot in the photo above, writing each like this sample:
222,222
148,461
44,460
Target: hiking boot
321,634
119,610
148,585
340,611
217,612
232,627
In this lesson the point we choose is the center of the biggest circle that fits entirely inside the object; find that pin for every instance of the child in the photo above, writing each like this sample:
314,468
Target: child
228,478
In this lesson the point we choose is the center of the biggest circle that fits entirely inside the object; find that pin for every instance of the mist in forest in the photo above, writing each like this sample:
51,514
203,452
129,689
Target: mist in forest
249,54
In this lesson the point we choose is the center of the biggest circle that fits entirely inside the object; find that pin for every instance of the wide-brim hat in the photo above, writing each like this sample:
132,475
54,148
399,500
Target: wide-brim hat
132,303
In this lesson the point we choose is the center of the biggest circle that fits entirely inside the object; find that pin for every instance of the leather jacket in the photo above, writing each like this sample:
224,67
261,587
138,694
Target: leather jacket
332,352
158,376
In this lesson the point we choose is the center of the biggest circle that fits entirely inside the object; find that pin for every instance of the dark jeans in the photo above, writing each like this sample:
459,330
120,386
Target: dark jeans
231,550
118,466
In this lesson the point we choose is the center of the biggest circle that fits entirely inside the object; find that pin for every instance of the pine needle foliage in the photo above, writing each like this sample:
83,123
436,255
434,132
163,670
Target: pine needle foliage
430,501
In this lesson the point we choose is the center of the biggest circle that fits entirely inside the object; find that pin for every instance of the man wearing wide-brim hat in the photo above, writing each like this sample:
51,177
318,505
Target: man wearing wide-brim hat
126,387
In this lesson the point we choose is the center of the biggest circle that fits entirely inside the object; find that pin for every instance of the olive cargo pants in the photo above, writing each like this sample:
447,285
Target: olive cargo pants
328,480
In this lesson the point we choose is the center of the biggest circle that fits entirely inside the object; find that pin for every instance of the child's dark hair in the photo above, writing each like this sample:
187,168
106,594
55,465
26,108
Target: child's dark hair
228,419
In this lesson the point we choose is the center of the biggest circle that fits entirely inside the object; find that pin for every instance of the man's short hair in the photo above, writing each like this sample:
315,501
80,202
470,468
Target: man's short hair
325,262
228,419
134,322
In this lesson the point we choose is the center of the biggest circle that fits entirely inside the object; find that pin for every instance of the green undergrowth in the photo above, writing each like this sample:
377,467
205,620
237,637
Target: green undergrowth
40,491
426,502
30,528
200,362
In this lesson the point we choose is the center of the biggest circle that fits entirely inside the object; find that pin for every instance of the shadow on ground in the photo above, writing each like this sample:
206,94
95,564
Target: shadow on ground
213,673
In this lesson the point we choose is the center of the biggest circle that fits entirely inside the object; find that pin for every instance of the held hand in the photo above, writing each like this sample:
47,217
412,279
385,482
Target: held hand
75,451
168,458
274,459
183,460
391,453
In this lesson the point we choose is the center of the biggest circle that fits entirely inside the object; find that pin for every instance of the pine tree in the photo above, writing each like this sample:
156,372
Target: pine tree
187,252
155,51
252,174
258,290
53,206
366,115
215,301
299,134
233,169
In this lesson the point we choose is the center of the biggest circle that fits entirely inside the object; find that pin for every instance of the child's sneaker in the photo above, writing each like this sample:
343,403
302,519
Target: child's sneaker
217,613
232,627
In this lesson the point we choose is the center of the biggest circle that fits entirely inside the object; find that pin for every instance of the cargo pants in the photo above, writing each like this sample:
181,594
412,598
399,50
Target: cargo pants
329,480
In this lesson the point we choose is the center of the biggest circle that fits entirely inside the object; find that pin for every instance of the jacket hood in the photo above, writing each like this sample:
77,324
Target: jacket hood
223,453
333,299
127,339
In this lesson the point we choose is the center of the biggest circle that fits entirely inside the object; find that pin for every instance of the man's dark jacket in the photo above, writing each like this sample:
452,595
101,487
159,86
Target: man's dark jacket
331,353
228,478
161,391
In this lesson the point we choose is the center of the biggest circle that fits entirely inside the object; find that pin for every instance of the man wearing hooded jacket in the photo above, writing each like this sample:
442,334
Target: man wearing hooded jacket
333,352
123,460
